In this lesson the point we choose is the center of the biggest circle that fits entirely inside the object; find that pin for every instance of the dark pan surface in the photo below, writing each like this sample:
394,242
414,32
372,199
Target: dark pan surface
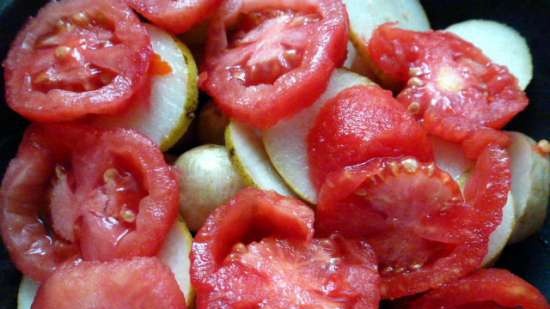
529,259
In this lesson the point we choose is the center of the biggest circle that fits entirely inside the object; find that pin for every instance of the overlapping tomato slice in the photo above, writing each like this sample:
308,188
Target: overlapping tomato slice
361,123
258,251
449,84
413,214
488,288
266,60
136,283
78,192
77,57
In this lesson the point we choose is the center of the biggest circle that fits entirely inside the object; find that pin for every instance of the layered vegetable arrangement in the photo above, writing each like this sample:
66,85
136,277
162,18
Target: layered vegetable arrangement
364,161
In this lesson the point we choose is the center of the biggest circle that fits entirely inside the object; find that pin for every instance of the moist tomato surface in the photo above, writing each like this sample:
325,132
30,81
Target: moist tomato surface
488,288
266,60
77,58
422,229
175,16
258,251
361,123
135,283
75,192
448,82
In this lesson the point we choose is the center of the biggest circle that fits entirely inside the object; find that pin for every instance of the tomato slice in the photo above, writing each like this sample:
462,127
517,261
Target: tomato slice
76,58
136,283
77,192
450,84
414,216
361,123
488,288
267,60
175,16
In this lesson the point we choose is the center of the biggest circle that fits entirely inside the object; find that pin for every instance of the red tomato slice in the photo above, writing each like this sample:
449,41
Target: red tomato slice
137,283
450,84
77,191
76,58
488,288
361,123
276,58
415,218
175,16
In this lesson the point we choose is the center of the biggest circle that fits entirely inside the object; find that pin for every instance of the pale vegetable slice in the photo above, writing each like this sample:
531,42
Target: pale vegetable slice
250,159
27,291
175,254
530,185
207,180
164,113
500,237
286,142
355,63
501,43
450,158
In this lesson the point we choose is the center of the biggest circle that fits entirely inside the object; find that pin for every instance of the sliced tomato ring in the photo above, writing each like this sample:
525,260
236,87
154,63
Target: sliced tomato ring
76,58
275,273
488,288
361,123
251,215
449,83
75,191
413,215
267,60
136,283
175,16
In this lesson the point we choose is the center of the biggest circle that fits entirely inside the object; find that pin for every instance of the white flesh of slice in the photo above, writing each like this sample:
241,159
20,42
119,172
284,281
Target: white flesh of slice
501,43
286,142
530,185
165,113
500,236
175,254
248,155
355,63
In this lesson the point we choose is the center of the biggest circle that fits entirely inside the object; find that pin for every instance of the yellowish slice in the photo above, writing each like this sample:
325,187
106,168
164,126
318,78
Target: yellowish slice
501,43
164,113
248,155
286,142
500,236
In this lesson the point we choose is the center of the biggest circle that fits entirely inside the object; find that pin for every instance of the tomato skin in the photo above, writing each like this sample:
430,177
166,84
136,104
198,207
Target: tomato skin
485,288
361,123
264,103
124,284
45,83
175,16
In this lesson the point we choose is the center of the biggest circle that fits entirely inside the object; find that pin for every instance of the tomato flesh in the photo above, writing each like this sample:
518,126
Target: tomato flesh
361,123
275,60
77,192
137,283
449,83
488,288
77,58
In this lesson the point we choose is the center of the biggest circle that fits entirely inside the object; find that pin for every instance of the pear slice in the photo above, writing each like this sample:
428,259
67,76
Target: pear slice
163,109
174,253
530,185
286,142
250,159
501,43
501,235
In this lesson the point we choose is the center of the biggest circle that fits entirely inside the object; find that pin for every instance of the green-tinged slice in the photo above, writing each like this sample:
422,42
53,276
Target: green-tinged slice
27,291
530,185
250,159
163,109
501,43
286,142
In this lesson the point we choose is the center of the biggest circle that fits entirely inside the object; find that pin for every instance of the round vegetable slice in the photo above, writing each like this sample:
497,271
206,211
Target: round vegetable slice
488,288
136,283
26,293
77,58
457,91
175,16
275,59
361,123
78,191
414,216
